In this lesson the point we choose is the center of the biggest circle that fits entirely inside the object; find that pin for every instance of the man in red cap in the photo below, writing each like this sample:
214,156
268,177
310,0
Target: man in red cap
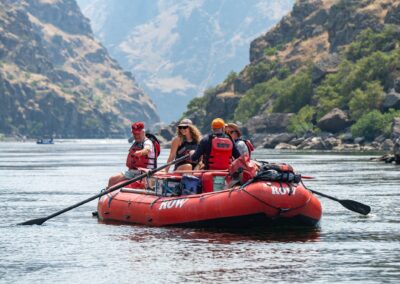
141,155
216,148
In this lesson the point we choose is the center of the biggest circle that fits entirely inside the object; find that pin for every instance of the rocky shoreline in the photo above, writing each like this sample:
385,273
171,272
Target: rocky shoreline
270,132
326,141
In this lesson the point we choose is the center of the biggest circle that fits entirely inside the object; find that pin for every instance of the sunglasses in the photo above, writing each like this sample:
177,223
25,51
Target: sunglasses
231,132
183,127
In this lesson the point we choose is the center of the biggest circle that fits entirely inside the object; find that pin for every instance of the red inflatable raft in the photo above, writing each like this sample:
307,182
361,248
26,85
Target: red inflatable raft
260,203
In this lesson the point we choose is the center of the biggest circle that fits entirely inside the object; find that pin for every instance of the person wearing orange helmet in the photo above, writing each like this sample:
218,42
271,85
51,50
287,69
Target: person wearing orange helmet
216,148
142,154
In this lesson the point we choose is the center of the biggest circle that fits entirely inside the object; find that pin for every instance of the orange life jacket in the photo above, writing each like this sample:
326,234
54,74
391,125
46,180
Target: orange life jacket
134,162
221,153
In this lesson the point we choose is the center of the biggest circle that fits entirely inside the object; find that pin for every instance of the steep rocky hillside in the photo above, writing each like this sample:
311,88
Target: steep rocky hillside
55,79
324,54
176,49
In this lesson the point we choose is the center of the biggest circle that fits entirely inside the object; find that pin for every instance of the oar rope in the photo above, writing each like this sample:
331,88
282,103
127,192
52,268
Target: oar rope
349,204
40,221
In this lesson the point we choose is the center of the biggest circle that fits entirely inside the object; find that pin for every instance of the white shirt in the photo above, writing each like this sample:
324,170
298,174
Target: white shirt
149,145
242,147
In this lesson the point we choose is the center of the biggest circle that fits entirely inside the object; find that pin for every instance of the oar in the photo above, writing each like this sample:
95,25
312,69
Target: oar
196,171
349,204
40,221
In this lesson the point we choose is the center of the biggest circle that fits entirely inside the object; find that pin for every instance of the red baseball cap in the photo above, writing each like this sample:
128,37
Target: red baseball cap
137,127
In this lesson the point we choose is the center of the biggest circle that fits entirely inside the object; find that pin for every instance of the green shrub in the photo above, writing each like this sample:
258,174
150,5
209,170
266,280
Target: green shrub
270,51
282,72
295,92
338,89
369,42
195,105
251,103
231,77
366,99
388,121
92,123
34,128
374,123
301,122
369,125
259,72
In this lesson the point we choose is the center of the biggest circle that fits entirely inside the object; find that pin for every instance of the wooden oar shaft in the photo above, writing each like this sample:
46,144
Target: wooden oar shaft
197,171
324,195
40,221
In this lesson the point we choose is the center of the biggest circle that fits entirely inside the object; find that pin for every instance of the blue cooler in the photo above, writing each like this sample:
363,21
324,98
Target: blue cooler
190,184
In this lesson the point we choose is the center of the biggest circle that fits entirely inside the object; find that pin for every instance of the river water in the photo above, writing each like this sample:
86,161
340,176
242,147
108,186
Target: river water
38,180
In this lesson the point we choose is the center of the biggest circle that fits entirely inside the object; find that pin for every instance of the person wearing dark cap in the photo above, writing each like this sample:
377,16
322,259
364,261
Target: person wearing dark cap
141,155
243,146
186,140
216,148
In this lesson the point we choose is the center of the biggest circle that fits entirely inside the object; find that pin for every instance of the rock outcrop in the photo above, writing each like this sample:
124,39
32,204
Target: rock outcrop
334,121
56,80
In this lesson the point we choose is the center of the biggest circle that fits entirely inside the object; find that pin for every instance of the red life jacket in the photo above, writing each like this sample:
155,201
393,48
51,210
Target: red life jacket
133,162
221,153
242,169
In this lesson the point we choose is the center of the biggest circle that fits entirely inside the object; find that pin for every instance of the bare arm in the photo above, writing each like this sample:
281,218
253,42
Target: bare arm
176,142
145,151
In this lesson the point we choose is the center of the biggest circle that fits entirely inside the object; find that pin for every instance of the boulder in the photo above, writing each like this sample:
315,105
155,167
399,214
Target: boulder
282,138
397,84
346,137
314,143
359,140
327,64
331,142
268,123
396,128
387,145
334,121
296,141
380,138
167,133
396,151
368,148
285,146
391,100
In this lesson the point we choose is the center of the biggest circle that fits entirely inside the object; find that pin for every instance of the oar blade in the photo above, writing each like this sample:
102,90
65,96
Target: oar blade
38,221
356,206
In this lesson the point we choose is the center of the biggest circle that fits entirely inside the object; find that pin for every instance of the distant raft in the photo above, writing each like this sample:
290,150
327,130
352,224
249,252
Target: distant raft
45,141
200,201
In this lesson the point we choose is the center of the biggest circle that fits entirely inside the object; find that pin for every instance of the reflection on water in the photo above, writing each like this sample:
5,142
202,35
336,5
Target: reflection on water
279,234
38,180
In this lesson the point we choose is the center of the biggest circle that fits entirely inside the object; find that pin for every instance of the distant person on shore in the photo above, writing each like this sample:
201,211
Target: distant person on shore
186,140
243,146
142,154
217,148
